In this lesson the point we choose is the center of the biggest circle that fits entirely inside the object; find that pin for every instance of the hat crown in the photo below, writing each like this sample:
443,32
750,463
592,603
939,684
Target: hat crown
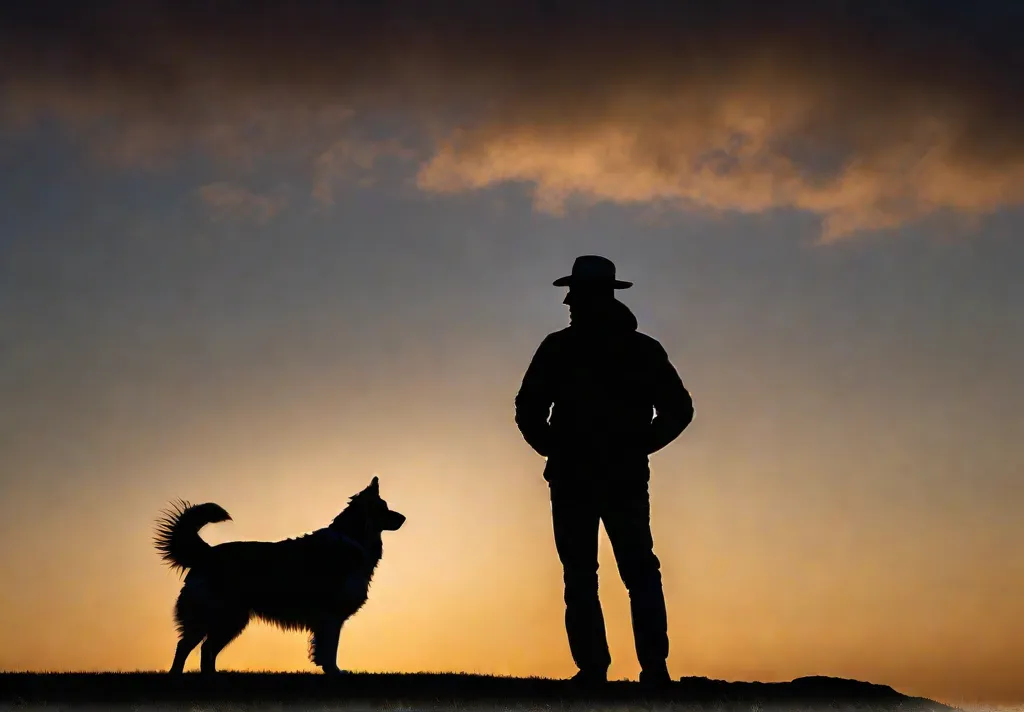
593,267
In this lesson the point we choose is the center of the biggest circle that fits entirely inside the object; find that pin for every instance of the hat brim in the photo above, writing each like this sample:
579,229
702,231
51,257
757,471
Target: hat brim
569,281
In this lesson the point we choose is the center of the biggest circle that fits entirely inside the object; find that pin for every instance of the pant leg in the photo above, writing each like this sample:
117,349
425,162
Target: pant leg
576,519
626,511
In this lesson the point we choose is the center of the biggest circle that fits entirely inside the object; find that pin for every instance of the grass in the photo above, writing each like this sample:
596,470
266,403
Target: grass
414,692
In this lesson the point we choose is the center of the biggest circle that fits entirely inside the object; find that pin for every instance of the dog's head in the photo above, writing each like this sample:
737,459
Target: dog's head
373,510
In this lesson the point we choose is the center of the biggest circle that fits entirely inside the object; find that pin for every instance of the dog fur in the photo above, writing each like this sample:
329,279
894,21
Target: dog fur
314,582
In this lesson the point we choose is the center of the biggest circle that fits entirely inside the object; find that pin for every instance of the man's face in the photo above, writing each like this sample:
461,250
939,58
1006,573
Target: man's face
583,299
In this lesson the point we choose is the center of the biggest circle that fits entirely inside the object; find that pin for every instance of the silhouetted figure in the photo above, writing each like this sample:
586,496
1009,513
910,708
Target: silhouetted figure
598,398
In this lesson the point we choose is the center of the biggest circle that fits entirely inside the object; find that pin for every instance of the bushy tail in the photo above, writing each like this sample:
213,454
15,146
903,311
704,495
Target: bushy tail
177,532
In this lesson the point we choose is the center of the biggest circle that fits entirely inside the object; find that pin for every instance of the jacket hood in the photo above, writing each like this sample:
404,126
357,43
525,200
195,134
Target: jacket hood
622,316
615,317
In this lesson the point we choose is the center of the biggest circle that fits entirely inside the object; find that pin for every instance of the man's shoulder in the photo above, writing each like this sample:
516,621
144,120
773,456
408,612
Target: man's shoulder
557,338
649,348
647,342
566,334
551,345
636,341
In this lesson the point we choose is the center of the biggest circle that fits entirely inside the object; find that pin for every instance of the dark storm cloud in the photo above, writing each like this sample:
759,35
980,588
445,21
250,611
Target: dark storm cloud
869,113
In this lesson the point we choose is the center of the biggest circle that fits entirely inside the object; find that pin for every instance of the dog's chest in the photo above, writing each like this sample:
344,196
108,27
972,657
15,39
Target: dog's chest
354,588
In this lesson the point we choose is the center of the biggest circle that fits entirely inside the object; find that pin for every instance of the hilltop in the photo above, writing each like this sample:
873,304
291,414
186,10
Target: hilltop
447,690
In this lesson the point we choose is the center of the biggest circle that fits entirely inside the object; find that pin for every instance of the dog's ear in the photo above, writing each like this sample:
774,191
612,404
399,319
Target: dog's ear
374,484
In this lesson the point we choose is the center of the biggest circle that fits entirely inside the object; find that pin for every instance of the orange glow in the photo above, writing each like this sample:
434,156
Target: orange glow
760,584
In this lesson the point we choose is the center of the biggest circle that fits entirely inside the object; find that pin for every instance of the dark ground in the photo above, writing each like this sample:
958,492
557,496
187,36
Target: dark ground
388,691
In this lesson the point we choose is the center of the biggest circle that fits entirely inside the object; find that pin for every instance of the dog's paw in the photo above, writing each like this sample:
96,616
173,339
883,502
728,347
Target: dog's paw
334,671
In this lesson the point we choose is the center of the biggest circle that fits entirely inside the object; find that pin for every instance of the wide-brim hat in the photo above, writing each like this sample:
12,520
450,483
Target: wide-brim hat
592,271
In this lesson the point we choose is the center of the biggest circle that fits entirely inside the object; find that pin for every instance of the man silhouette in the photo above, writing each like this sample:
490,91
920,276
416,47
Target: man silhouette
596,400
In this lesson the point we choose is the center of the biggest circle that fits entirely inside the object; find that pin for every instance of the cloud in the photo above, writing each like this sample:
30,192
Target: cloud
231,202
738,162
353,158
870,114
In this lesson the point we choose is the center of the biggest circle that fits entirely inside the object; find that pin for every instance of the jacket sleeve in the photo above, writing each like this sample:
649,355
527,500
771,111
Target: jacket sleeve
672,402
534,400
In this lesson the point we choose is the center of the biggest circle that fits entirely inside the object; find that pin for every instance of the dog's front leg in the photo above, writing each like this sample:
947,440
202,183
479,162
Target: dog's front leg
323,646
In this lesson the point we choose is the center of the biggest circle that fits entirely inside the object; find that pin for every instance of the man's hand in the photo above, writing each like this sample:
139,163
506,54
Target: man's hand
534,400
673,404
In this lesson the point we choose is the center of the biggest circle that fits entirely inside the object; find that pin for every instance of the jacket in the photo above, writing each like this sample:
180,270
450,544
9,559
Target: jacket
590,394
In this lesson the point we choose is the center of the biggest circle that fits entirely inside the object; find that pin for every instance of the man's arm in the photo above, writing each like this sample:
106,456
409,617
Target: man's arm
533,402
672,402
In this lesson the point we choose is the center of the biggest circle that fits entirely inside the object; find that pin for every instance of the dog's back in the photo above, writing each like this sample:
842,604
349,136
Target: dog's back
291,583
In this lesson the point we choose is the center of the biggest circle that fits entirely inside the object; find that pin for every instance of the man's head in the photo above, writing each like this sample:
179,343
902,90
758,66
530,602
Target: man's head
592,284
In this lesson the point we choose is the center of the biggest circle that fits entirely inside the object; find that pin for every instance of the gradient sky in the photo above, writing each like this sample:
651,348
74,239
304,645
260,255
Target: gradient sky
258,266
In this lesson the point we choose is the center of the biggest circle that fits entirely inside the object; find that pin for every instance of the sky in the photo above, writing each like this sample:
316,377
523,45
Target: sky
255,254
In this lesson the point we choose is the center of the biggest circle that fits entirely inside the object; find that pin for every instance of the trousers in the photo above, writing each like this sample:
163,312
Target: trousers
623,505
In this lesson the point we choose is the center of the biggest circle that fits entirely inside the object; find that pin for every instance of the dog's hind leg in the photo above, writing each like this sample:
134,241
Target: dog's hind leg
188,613
222,632
323,645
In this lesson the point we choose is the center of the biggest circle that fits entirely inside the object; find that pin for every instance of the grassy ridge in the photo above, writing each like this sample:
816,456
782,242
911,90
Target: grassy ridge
281,688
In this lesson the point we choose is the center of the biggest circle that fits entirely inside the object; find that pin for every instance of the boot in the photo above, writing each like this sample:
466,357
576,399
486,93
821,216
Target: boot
655,677
589,679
